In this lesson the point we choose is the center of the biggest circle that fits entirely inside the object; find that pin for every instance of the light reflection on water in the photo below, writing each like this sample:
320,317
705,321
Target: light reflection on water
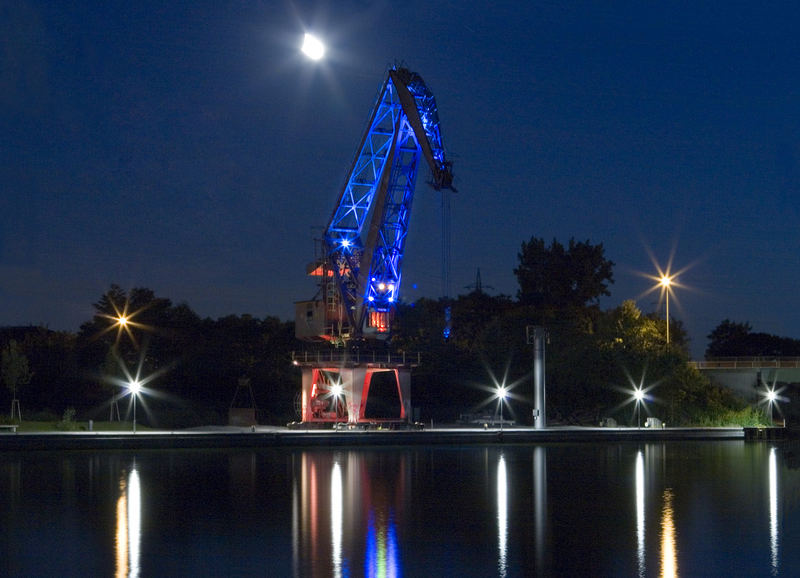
129,525
640,500
773,511
669,554
336,519
688,509
502,517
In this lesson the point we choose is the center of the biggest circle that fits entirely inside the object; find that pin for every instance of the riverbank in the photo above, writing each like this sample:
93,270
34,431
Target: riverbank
264,436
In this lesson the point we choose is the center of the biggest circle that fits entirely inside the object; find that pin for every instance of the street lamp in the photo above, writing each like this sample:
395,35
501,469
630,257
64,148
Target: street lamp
336,391
134,386
772,397
502,393
666,284
638,395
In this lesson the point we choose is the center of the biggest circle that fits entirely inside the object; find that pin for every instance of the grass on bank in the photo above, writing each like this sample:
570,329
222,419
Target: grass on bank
78,426
47,422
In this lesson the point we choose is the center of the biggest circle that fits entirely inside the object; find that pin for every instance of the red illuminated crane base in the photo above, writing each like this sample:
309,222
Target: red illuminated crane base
336,390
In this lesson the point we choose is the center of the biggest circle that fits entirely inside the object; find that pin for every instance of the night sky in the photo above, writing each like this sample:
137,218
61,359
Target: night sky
189,147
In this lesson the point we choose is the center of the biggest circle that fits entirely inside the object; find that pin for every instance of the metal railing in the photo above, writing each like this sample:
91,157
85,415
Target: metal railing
357,357
747,363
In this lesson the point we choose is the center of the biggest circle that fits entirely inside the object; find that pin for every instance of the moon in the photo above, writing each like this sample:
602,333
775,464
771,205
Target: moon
313,47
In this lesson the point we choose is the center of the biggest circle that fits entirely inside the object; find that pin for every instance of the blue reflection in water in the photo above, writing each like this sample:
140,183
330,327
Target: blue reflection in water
381,558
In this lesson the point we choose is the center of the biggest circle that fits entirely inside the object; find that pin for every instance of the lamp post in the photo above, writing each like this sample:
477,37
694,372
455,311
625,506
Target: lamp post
666,283
336,391
638,395
771,397
502,392
134,387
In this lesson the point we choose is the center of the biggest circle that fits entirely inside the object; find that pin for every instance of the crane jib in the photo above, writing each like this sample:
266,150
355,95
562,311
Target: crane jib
364,241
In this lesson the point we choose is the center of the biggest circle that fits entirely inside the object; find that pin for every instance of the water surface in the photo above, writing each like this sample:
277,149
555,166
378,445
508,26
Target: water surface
724,508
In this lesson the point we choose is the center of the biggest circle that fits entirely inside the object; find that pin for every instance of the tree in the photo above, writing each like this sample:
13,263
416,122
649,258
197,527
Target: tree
555,278
15,372
732,339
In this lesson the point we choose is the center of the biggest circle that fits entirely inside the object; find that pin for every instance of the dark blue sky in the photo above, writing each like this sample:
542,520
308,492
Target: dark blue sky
188,147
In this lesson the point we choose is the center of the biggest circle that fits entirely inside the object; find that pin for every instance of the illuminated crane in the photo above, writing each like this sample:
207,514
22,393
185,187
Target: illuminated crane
359,268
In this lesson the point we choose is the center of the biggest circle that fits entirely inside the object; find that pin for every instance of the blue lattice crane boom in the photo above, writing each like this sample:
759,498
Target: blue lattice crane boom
364,241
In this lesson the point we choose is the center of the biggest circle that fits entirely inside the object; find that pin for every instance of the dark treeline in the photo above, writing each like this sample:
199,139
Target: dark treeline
594,358
191,366
733,339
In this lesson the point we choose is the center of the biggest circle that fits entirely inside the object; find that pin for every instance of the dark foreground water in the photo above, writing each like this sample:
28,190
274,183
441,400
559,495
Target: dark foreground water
668,509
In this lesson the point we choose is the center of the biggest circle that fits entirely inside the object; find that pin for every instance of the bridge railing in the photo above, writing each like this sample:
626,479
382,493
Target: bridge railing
357,357
746,363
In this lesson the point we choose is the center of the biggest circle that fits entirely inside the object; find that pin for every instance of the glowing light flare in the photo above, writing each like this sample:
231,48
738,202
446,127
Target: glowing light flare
772,397
123,321
665,281
636,392
493,389
313,47
136,384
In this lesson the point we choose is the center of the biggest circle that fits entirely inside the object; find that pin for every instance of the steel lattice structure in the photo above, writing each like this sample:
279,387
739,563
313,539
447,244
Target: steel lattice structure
365,238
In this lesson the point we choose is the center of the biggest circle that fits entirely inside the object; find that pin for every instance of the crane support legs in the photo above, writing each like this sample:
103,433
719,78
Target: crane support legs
333,394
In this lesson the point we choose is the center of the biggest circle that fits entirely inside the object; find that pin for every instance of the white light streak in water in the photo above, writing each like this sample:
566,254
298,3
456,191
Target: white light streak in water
773,511
134,521
129,526
502,517
336,518
640,550
669,552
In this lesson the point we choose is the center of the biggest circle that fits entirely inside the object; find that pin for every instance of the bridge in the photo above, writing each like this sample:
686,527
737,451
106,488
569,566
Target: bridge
749,375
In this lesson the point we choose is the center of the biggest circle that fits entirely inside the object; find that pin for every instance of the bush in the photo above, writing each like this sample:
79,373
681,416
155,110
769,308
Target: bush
67,422
746,417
